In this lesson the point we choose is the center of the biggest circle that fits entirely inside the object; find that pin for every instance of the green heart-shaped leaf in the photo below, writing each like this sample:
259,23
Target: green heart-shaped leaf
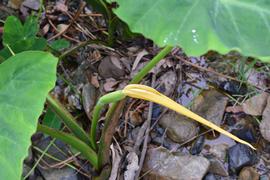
25,81
202,25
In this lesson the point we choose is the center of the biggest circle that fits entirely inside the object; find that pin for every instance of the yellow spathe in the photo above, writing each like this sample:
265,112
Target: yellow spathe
147,93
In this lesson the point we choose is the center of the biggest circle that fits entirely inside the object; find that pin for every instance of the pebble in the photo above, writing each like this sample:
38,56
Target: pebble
249,173
211,105
179,128
197,147
233,87
219,150
240,156
210,176
246,132
217,167
256,104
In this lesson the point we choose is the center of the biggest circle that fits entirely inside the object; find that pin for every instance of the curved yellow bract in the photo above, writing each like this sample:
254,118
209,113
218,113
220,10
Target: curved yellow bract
147,93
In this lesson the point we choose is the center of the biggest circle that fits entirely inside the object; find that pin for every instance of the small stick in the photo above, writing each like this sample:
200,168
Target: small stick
216,73
77,15
147,131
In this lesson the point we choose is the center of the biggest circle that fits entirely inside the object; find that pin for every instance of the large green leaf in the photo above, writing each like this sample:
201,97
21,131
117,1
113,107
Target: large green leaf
25,81
201,25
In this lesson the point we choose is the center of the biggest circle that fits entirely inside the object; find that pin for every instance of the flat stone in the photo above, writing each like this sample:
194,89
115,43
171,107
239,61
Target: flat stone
164,165
59,174
211,105
256,104
179,128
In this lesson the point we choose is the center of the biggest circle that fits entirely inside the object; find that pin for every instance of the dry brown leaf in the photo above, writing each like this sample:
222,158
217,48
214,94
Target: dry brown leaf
116,159
138,58
110,84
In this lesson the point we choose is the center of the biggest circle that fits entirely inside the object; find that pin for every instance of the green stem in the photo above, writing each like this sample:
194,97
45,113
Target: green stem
106,99
76,143
107,133
114,110
68,119
140,75
96,114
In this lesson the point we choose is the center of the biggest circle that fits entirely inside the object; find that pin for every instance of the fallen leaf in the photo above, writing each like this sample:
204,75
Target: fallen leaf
94,81
265,123
138,58
110,67
116,159
132,166
110,84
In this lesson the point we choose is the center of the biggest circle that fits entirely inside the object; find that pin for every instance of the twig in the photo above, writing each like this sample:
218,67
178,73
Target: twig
64,35
81,44
205,69
77,15
127,117
148,123
216,73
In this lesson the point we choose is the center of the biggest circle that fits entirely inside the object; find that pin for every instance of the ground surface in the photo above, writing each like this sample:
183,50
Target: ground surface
220,88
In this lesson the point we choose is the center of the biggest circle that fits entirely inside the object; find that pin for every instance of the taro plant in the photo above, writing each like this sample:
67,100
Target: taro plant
20,37
26,78
196,26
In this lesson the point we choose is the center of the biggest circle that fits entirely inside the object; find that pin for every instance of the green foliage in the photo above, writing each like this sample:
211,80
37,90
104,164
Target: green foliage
23,45
199,26
14,31
59,44
51,119
25,81
21,37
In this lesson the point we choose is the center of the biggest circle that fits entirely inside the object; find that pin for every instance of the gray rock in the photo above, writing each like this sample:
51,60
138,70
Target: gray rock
265,123
240,156
210,176
255,105
179,128
264,177
217,167
26,170
60,150
164,165
211,105
219,151
59,174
